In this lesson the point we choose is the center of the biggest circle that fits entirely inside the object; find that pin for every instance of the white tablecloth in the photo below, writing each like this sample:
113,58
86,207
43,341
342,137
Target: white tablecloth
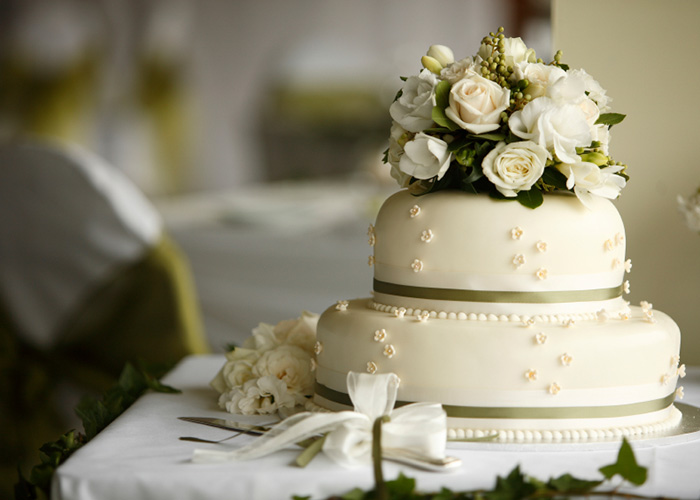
140,457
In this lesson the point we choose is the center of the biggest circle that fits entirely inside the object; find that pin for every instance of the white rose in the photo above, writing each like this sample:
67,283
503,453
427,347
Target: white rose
476,104
515,167
461,69
289,363
414,109
541,77
397,139
560,128
236,370
262,396
441,54
263,338
516,52
425,157
588,180
300,332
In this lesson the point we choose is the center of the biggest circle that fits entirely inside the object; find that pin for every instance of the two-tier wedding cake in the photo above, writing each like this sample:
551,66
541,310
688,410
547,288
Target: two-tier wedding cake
500,269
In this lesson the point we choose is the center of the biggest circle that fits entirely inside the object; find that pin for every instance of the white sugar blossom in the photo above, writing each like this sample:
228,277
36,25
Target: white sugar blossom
587,179
425,157
476,104
515,167
414,108
559,128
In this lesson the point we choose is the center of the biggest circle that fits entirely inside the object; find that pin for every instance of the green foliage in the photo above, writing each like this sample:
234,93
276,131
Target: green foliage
610,119
518,486
532,198
95,415
626,466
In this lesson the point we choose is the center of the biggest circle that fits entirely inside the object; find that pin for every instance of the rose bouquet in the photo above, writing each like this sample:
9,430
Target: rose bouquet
690,208
505,123
272,370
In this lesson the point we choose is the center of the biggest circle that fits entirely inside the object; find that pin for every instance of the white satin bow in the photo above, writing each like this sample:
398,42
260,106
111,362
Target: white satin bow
421,427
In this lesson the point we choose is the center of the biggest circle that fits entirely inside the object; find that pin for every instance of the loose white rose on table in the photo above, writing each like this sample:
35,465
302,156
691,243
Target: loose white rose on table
413,109
425,157
476,104
515,167
272,370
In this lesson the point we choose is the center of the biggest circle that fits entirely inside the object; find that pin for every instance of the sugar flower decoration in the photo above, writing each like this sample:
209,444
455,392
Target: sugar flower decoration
517,233
554,389
341,305
417,265
531,375
380,335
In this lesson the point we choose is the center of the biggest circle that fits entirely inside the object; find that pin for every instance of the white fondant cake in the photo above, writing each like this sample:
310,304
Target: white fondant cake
512,318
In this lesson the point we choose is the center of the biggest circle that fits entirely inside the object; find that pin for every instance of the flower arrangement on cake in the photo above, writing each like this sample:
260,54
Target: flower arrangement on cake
505,123
690,208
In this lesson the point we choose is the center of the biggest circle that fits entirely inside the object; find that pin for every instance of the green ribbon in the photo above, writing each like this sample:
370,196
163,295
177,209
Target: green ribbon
505,412
551,297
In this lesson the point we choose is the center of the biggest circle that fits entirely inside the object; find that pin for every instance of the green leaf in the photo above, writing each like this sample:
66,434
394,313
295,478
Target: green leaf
513,487
439,117
569,484
626,466
555,178
356,494
400,487
531,199
297,497
610,119
442,94
491,137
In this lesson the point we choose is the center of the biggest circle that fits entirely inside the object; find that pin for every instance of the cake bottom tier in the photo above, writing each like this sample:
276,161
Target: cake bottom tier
537,382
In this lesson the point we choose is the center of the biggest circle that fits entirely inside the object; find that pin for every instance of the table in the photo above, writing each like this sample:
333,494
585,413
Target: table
139,456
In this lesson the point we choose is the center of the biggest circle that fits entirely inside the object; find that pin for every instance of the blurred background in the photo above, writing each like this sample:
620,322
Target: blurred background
256,129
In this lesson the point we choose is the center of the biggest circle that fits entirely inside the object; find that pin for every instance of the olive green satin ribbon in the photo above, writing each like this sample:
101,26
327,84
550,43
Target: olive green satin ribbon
551,297
525,413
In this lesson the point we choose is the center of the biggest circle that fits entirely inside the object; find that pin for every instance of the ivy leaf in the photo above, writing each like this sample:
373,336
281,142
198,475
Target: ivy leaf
355,494
610,119
626,466
513,487
531,199
401,487
569,484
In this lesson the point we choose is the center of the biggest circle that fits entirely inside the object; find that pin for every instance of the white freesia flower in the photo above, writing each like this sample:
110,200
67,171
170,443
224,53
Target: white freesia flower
425,157
690,208
461,69
441,54
289,363
560,128
516,52
541,77
601,133
588,180
414,109
515,167
476,104
572,90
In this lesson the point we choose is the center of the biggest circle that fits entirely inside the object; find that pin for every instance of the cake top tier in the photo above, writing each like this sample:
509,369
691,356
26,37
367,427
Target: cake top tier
505,123
457,252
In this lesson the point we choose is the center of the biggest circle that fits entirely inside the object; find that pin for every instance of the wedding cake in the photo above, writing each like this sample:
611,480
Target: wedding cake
500,268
